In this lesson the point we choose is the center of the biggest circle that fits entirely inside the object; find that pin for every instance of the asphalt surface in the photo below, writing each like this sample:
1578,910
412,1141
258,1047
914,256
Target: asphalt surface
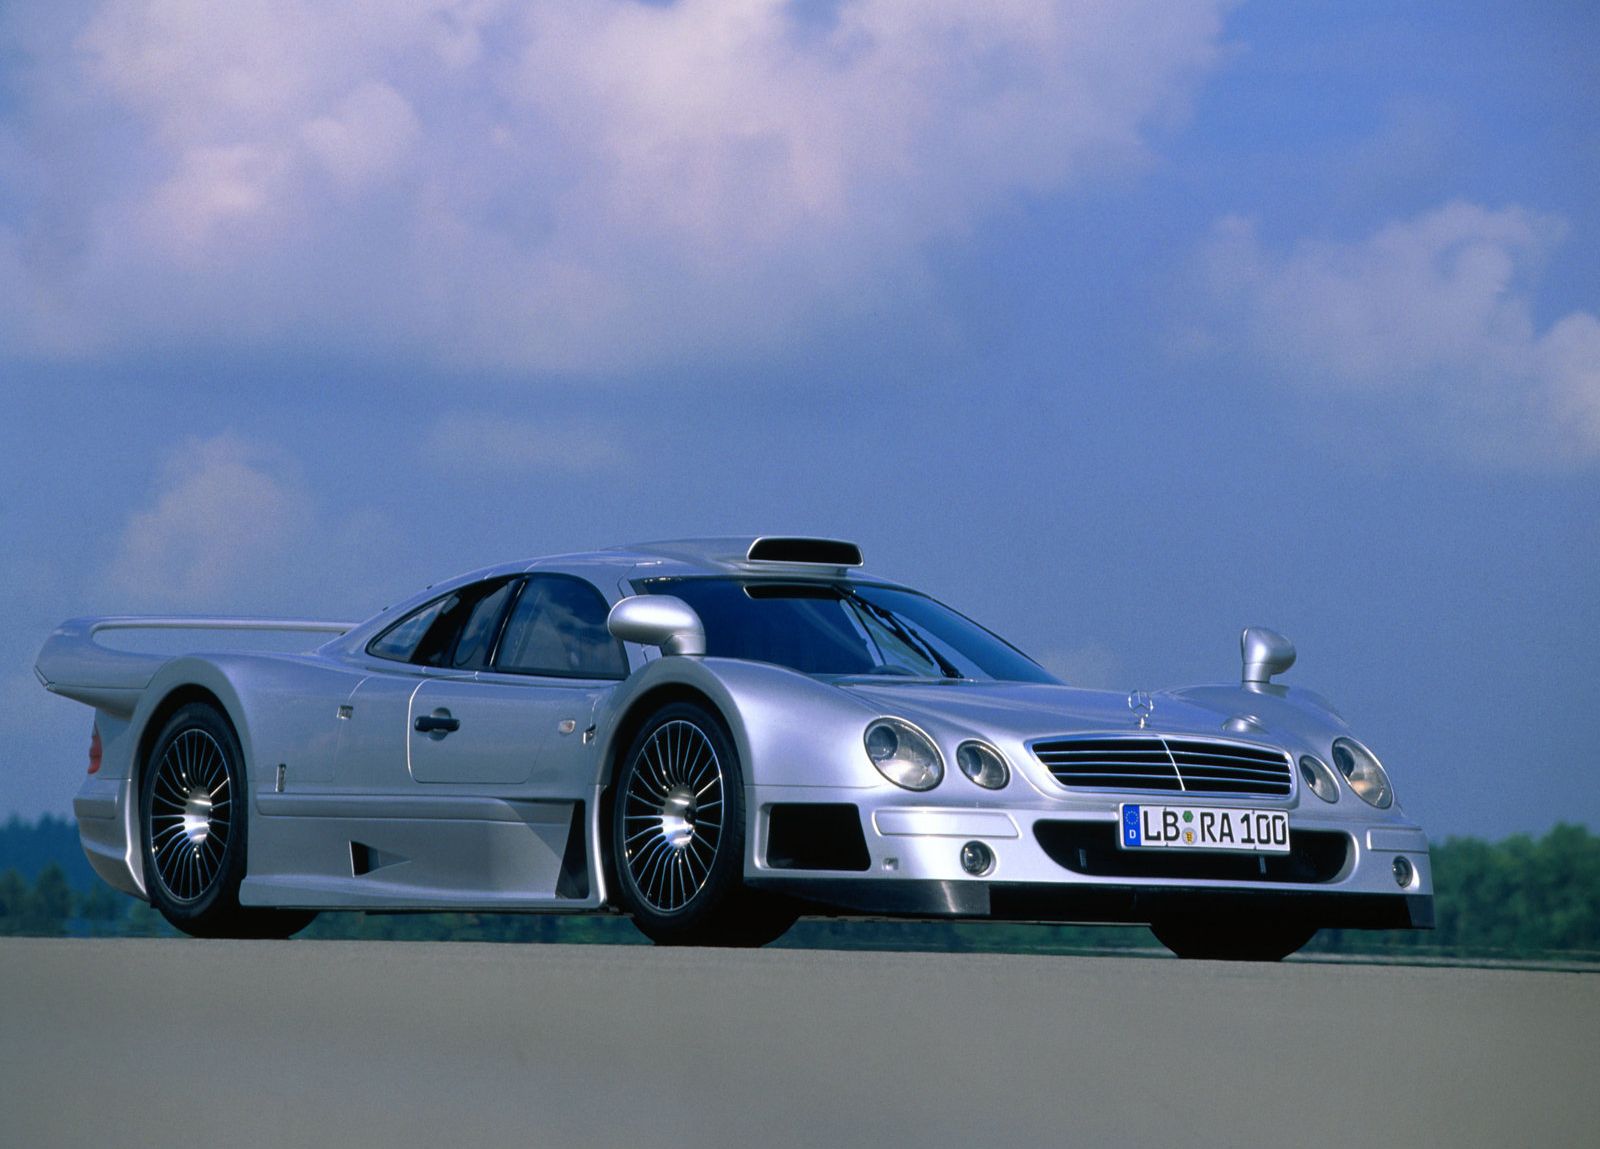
156,1042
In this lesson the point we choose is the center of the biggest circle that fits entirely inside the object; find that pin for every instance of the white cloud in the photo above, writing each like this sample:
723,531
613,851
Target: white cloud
233,527
226,510
368,138
1433,315
548,185
493,445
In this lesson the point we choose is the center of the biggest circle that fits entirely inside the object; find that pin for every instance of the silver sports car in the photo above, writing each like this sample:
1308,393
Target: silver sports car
715,736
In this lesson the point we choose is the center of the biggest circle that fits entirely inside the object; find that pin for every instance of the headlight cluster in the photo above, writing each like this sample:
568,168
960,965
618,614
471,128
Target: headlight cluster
1364,773
983,764
904,755
908,757
1319,778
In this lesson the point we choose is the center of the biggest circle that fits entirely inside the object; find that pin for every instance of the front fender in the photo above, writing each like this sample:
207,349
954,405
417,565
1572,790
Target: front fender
789,729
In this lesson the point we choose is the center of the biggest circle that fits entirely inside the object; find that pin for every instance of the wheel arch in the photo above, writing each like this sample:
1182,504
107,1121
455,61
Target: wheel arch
786,729
179,683
630,720
171,702
638,712
221,914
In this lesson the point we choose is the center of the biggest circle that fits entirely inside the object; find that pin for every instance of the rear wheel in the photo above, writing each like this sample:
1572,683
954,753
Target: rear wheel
678,838
192,830
1229,939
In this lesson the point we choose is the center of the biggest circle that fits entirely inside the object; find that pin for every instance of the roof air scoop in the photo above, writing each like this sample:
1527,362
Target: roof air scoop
820,552
1265,653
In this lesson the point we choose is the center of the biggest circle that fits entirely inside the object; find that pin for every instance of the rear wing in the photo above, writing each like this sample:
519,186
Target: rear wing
75,666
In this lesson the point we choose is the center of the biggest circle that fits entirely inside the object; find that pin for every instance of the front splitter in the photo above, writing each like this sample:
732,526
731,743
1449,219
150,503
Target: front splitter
1022,902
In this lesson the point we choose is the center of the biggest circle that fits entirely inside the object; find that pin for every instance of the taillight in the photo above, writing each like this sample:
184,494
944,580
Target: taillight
94,750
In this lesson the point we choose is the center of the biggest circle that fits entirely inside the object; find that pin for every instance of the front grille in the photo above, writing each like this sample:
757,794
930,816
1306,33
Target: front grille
1314,856
1166,762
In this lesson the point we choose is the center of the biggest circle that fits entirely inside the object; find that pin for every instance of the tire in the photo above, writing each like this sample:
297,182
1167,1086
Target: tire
1227,939
678,836
193,831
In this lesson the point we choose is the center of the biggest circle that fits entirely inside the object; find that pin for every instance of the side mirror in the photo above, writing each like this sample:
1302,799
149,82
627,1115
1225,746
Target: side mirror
1265,653
658,620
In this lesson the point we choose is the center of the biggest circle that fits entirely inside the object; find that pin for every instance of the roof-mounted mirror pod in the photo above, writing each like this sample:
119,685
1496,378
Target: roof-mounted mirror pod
658,620
1265,653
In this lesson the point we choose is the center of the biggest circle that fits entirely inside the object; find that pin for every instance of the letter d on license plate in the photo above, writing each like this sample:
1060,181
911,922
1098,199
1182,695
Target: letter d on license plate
1203,828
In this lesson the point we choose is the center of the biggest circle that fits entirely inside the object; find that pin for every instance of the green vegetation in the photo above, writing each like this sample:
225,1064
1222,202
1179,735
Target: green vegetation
1522,898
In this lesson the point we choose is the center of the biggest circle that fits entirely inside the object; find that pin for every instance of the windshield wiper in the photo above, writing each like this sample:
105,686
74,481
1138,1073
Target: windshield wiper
915,641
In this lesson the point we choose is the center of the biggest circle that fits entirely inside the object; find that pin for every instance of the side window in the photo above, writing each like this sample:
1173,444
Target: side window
558,629
449,631
472,648
400,641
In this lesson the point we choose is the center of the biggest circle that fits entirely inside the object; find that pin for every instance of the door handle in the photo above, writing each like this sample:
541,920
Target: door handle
437,724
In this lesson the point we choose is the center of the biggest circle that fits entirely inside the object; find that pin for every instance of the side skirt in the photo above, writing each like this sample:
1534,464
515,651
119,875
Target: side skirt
426,853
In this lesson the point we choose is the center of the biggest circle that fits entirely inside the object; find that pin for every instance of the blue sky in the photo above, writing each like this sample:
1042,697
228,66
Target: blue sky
1118,326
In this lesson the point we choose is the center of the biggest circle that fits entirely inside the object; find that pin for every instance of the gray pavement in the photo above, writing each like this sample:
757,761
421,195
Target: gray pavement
156,1042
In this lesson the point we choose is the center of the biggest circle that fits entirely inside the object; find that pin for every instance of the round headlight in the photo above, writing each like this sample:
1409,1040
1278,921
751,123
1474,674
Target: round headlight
983,764
1364,772
904,755
1319,778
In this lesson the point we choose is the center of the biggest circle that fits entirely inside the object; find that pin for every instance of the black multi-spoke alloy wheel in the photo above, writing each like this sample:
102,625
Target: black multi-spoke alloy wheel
192,829
1230,939
678,836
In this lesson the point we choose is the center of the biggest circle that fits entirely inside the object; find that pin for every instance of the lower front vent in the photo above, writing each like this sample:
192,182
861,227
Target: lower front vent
816,836
1091,848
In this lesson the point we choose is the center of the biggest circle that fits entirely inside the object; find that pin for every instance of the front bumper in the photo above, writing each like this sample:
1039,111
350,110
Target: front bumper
1059,863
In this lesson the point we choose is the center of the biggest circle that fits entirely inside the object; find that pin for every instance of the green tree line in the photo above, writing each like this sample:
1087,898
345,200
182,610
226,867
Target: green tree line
1520,898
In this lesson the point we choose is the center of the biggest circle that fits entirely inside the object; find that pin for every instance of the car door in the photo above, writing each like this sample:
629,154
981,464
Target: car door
374,737
539,669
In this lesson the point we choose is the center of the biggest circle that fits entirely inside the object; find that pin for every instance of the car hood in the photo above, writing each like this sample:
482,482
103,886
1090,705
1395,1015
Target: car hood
1027,710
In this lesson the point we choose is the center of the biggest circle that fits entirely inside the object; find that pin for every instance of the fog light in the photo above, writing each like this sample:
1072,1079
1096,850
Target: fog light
1403,871
977,859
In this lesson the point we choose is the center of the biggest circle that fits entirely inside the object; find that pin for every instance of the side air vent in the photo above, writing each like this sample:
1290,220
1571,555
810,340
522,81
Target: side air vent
364,859
823,552
573,881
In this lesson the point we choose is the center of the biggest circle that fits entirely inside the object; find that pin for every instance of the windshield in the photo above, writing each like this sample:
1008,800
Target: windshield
843,628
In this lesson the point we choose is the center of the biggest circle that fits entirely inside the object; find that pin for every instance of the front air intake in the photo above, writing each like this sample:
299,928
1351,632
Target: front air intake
820,552
1314,857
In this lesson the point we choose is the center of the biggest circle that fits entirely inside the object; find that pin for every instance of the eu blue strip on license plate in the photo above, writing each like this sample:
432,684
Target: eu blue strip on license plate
1146,827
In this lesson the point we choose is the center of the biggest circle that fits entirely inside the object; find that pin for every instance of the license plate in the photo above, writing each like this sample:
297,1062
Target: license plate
1204,828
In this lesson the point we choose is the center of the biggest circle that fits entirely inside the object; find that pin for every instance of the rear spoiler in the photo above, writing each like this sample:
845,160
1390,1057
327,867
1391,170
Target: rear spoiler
74,665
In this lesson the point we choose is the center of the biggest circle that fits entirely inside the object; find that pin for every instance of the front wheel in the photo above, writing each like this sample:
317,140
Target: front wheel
1230,939
192,831
678,836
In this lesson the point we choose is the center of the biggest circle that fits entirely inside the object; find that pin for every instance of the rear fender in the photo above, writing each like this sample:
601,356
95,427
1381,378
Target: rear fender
283,708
